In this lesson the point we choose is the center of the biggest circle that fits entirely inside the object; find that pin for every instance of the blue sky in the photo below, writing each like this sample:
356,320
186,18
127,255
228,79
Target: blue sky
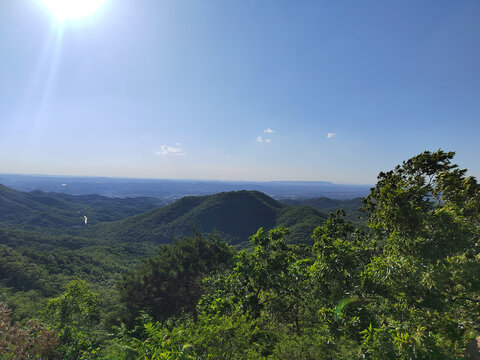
238,90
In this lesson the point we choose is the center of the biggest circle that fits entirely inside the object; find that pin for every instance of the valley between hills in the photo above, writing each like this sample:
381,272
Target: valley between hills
46,242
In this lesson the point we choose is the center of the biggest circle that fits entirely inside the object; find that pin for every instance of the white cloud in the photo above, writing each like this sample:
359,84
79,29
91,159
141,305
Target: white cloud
170,150
268,140
268,131
259,139
331,135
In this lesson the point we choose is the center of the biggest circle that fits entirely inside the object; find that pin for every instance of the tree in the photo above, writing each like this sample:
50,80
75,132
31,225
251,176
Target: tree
171,282
75,315
341,252
422,287
427,206
30,341
270,285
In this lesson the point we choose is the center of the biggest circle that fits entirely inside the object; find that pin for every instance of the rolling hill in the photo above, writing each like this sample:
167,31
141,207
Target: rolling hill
57,210
44,243
233,215
327,205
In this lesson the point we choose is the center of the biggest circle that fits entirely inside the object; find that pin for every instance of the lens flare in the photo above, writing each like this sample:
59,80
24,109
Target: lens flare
342,304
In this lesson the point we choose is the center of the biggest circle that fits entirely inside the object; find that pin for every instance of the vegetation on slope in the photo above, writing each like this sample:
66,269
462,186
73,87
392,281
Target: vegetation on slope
35,266
56,210
233,215
327,206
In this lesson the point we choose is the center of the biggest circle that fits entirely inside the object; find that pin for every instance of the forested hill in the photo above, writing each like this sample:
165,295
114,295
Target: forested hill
327,205
59,210
234,215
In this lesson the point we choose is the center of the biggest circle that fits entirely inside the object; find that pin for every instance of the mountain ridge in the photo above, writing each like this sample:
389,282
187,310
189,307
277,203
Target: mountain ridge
170,190
233,215
38,208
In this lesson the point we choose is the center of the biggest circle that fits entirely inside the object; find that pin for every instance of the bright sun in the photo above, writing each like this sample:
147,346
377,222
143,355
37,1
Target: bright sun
72,9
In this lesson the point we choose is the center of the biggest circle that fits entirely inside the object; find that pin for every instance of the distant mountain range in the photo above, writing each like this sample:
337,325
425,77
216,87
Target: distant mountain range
170,190
233,215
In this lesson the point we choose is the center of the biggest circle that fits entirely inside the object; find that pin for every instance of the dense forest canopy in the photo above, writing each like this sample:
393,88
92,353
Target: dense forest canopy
405,286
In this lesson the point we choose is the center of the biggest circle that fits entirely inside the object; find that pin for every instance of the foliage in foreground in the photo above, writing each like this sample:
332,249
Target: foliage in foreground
24,342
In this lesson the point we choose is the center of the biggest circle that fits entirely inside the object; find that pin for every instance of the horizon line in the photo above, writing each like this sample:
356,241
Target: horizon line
180,179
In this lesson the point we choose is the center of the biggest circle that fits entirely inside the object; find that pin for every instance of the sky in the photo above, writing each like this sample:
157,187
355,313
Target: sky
238,90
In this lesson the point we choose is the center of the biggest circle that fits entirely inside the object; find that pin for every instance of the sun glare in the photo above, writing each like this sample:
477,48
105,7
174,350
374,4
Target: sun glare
72,9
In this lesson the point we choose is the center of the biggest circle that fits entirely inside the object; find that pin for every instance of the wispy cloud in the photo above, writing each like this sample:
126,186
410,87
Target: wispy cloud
265,140
170,150
261,140
331,135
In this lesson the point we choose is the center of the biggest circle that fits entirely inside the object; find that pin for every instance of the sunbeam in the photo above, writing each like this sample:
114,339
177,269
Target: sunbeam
42,86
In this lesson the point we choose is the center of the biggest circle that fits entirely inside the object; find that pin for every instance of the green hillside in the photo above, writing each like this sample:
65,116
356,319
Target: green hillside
44,243
35,261
301,221
56,210
233,215
327,205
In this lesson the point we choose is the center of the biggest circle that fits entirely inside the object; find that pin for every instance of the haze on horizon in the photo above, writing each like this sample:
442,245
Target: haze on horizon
246,90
